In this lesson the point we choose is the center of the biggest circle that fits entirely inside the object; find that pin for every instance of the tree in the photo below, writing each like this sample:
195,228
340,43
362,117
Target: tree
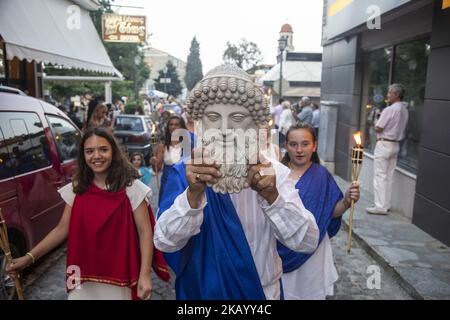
173,88
194,72
245,54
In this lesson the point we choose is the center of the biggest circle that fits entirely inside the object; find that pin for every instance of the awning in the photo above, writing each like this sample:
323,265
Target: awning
302,92
303,71
51,31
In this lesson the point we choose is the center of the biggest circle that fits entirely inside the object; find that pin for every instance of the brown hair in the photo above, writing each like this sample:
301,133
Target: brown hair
140,155
306,126
121,172
167,134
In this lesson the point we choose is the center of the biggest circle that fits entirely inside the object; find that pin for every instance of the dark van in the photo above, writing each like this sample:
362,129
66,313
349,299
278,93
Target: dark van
37,157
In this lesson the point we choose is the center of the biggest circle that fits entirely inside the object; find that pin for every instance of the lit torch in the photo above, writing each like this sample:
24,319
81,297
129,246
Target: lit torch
4,246
357,159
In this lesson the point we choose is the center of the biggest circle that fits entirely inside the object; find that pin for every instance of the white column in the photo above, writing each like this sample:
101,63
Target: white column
108,92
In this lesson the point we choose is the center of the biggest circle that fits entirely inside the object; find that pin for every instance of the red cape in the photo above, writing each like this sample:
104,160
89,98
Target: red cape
102,240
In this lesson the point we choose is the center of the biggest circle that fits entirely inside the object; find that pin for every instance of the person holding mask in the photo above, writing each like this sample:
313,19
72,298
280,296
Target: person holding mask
218,221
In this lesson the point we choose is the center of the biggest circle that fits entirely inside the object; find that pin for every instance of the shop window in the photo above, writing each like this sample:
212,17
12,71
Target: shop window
410,69
377,65
406,64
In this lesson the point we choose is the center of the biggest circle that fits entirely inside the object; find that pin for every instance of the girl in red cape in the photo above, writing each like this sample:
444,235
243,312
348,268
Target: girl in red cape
106,222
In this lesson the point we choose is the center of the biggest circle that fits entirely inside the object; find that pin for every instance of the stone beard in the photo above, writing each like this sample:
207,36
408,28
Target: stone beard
230,108
234,152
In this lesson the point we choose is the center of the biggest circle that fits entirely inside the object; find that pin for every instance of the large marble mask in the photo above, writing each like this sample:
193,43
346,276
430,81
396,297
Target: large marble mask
229,109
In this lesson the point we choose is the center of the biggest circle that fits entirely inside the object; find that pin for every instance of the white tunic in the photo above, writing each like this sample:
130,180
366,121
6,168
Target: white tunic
315,279
173,155
286,220
136,193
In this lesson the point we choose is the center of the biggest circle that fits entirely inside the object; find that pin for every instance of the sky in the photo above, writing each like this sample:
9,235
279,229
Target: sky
173,23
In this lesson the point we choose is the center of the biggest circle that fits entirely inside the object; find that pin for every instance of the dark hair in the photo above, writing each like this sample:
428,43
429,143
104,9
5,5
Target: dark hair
121,173
91,106
281,100
167,134
306,126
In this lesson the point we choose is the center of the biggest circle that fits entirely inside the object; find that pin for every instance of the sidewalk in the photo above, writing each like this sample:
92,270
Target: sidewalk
419,262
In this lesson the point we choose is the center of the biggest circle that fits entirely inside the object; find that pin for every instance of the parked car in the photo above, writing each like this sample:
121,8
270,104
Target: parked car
134,132
37,156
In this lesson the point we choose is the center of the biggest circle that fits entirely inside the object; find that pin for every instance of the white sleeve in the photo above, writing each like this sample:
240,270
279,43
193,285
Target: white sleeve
178,224
137,193
67,194
293,224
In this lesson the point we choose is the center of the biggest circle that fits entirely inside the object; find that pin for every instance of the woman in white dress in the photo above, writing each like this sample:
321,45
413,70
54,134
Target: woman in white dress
106,223
169,153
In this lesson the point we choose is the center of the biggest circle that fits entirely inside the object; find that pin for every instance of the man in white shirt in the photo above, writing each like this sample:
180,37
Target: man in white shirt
220,222
390,129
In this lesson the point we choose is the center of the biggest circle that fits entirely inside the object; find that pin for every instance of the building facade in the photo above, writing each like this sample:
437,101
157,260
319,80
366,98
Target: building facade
157,59
296,74
369,45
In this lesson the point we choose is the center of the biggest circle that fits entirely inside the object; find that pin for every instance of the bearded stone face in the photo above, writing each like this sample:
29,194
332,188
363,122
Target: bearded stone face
230,139
230,108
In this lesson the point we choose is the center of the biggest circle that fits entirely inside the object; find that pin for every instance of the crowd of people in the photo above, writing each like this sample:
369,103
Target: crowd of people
286,115
266,233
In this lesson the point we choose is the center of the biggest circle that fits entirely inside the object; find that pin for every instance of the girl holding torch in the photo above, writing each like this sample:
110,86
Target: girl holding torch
106,222
312,276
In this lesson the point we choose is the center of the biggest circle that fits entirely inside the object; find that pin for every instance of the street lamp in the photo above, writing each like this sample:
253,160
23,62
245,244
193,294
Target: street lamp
282,43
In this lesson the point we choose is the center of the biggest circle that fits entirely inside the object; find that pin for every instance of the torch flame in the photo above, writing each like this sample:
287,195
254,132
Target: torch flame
357,137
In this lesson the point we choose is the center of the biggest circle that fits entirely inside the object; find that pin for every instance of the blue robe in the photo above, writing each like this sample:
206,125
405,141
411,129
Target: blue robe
216,263
168,169
319,194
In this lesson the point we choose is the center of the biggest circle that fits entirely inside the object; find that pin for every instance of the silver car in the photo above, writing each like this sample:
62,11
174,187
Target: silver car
135,134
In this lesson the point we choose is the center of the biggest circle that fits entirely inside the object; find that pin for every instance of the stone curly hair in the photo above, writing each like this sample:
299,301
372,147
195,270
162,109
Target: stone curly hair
228,84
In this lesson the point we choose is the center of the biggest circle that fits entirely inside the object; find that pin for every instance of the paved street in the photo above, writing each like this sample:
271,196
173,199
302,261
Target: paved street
46,279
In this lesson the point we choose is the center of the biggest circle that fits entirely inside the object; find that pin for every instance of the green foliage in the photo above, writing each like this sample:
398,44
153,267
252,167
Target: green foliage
173,88
245,54
194,72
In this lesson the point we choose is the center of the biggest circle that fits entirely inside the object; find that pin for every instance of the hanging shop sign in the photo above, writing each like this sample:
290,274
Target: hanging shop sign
123,28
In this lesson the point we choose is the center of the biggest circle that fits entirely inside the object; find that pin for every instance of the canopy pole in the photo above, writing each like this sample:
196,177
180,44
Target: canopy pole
108,92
